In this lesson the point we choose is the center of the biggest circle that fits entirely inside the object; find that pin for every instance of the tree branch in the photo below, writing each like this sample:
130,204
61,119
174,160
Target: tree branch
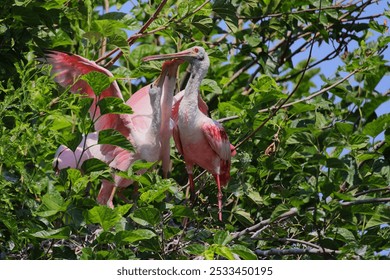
307,98
365,201
294,251
385,189
292,212
132,39
142,33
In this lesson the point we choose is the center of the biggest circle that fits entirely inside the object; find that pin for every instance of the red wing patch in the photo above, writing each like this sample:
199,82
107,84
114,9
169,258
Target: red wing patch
218,139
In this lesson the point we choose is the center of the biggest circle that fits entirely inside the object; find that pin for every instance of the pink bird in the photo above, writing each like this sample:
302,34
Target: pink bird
146,128
201,140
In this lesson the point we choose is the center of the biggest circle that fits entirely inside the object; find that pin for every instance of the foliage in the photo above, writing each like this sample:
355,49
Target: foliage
311,176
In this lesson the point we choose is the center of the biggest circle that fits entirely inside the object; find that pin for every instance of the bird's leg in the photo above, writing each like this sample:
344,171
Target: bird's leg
109,201
192,187
106,193
122,196
219,196
192,193
135,194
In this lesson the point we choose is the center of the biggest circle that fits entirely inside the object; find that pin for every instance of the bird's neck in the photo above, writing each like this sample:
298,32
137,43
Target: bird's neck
155,125
190,98
166,102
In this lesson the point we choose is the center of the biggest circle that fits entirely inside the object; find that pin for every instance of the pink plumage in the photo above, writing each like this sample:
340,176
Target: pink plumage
142,128
200,140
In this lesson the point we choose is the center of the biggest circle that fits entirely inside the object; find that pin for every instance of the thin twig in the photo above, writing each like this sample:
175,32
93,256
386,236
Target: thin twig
365,201
307,98
273,113
310,10
142,33
239,72
385,189
132,39
293,240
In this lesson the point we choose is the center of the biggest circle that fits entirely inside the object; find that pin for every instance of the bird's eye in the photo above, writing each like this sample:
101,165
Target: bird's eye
196,50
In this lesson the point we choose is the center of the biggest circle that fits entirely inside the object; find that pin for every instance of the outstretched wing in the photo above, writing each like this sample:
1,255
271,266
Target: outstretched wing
67,69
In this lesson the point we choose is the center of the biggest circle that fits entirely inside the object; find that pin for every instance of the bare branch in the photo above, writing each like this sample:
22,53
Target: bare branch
365,201
294,251
386,189
292,212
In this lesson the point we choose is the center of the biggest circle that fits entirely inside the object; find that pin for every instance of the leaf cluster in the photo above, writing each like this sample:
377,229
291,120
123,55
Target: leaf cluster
312,183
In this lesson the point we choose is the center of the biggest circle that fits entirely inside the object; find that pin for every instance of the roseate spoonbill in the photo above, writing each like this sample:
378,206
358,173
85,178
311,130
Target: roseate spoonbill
198,138
144,128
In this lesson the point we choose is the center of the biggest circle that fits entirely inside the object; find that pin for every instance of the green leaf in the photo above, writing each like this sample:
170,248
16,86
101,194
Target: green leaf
344,235
232,107
357,142
104,216
141,165
123,209
146,216
60,233
279,210
182,211
209,253
253,39
380,217
244,252
97,81
79,182
224,252
336,163
170,232
131,236
255,197
52,203
110,27
85,105
92,165
320,120
72,140
61,38
301,138
243,217
222,237
227,12
344,128
265,84
114,137
125,18
58,122
113,105
377,126
195,249
156,194
203,23
211,86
